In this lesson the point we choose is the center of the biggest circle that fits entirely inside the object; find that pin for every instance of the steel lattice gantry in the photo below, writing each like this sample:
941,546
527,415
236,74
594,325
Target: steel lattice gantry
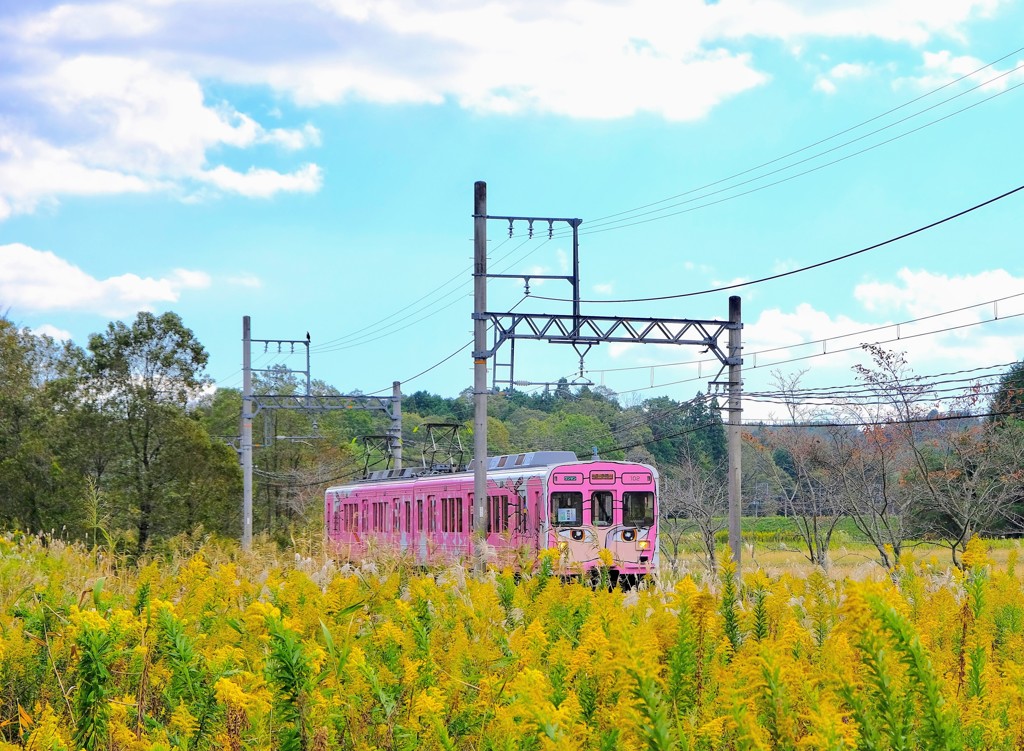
323,402
589,330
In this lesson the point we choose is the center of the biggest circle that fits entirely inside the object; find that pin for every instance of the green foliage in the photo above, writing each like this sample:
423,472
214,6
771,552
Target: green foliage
289,673
938,729
92,697
1008,403
655,729
103,444
729,606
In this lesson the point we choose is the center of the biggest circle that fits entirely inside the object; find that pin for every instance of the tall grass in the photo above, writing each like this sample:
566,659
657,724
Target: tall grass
214,648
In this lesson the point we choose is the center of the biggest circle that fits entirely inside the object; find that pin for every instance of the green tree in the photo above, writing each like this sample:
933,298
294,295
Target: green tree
145,375
37,492
1008,403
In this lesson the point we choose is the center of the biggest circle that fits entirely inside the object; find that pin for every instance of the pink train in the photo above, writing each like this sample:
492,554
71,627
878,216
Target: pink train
535,501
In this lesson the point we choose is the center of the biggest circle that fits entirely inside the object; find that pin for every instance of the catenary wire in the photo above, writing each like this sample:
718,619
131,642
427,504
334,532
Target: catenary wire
325,346
822,341
628,221
811,145
594,226
440,362
391,329
802,269
438,288
814,424
322,347
831,352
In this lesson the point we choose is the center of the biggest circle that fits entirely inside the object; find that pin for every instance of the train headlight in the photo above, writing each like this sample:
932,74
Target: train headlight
643,544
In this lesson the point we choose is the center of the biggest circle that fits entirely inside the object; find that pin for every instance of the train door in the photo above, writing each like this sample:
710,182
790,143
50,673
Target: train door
536,514
420,535
406,535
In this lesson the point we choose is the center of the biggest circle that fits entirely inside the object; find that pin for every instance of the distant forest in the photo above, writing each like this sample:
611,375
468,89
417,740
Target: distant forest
126,442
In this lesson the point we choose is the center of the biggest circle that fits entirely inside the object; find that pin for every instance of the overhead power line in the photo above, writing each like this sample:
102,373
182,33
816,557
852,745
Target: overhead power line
811,145
817,424
927,384
637,220
364,331
823,341
830,352
802,269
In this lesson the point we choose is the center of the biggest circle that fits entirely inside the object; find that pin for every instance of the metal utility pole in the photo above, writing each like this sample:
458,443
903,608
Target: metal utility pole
309,402
480,355
395,434
246,443
733,431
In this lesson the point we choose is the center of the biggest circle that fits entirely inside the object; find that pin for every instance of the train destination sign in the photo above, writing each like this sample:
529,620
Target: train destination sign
636,478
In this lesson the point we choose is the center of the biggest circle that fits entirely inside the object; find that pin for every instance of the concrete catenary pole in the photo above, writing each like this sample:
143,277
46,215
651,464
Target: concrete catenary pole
396,423
733,431
246,446
479,359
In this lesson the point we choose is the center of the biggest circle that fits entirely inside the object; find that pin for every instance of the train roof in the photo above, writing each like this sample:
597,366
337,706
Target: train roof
531,460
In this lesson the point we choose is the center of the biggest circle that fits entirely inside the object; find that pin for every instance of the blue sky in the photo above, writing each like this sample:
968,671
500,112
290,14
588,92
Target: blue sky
311,164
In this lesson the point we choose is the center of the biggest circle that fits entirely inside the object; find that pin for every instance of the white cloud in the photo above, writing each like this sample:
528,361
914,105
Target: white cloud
604,289
245,280
264,183
922,293
113,96
908,21
129,127
941,68
849,70
841,72
87,22
38,280
563,261
53,332
824,85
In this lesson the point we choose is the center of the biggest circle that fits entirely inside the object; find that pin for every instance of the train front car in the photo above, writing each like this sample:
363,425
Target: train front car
604,505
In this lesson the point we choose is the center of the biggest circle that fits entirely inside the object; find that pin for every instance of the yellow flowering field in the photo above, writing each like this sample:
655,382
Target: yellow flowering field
212,648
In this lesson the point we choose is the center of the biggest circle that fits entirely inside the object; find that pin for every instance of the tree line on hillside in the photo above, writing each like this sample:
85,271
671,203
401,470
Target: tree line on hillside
881,454
126,442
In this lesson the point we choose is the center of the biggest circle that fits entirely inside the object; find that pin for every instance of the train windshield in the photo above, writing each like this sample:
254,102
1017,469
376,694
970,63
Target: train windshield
638,509
567,509
601,508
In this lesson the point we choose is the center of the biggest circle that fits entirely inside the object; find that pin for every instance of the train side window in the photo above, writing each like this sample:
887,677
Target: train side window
497,513
432,515
601,508
638,509
444,514
567,509
460,527
408,516
419,514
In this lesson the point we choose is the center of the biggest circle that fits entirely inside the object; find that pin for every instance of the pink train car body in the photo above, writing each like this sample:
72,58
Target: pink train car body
535,501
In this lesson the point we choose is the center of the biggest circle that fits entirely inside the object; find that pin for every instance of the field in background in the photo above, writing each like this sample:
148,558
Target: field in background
207,647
